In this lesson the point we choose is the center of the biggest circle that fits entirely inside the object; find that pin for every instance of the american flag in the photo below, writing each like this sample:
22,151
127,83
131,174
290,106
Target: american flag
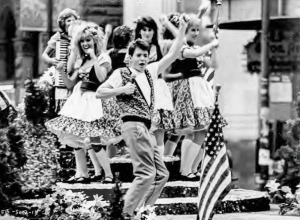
215,171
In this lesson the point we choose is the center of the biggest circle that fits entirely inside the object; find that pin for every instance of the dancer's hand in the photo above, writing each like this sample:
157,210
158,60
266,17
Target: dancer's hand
163,20
54,61
203,8
129,88
56,37
210,36
215,43
108,30
91,53
183,21
60,67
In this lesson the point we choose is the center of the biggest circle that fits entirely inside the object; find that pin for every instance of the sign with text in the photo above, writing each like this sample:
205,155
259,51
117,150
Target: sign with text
33,13
284,52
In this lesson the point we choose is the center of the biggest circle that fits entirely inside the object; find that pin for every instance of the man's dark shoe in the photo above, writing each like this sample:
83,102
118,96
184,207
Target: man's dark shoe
190,177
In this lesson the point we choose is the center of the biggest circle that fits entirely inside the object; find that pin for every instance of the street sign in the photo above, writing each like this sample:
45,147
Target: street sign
284,52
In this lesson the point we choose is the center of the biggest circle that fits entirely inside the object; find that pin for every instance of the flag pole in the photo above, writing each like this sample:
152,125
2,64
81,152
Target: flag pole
217,92
216,25
217,86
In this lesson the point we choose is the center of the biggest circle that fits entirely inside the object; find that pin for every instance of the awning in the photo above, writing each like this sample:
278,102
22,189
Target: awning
283,22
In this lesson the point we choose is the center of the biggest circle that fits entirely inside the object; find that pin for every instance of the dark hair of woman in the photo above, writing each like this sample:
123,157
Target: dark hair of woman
149,22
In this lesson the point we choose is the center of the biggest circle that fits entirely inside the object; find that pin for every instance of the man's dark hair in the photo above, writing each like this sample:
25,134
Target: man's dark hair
138,43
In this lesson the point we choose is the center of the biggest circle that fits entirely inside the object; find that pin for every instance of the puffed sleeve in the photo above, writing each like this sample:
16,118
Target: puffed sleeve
105,61
52,42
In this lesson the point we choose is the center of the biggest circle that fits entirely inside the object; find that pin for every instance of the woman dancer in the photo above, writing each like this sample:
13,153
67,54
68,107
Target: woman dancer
173,140
169,34
193,99
68,21
78,118
111,111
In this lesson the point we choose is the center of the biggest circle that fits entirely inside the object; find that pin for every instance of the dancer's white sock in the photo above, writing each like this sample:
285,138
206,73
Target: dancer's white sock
104,161
81,162
185,146
170,148
95,162
197,160
161,149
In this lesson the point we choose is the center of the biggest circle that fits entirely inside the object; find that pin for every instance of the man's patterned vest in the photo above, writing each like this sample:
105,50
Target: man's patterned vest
135,105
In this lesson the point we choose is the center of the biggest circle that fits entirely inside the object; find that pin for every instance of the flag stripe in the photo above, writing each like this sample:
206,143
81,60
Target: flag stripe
209,76
206,187
207,165
223,184
211,185
208,171
218,181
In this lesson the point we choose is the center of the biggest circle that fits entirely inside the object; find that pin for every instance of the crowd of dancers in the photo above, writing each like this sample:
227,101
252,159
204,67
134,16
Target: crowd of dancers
151,82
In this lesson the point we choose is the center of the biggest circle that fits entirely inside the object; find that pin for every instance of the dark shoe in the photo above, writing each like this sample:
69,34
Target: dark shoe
71,179
82,180
96,178
190,177
108,179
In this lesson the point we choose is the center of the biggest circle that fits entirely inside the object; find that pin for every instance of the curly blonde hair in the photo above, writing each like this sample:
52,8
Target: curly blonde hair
86,30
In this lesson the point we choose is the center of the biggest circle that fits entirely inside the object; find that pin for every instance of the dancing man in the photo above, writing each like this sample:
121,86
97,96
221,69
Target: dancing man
133,87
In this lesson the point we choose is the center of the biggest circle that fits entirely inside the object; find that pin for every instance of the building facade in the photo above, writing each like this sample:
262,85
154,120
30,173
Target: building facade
239,72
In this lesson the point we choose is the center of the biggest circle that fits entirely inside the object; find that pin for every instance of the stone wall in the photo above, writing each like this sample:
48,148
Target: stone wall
103,11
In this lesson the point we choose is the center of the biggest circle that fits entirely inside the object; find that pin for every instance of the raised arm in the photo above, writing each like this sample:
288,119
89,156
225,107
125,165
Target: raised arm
203,8
108,32
175,48
168,25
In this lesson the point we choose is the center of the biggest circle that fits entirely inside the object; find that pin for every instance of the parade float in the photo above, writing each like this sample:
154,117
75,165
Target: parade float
42,192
